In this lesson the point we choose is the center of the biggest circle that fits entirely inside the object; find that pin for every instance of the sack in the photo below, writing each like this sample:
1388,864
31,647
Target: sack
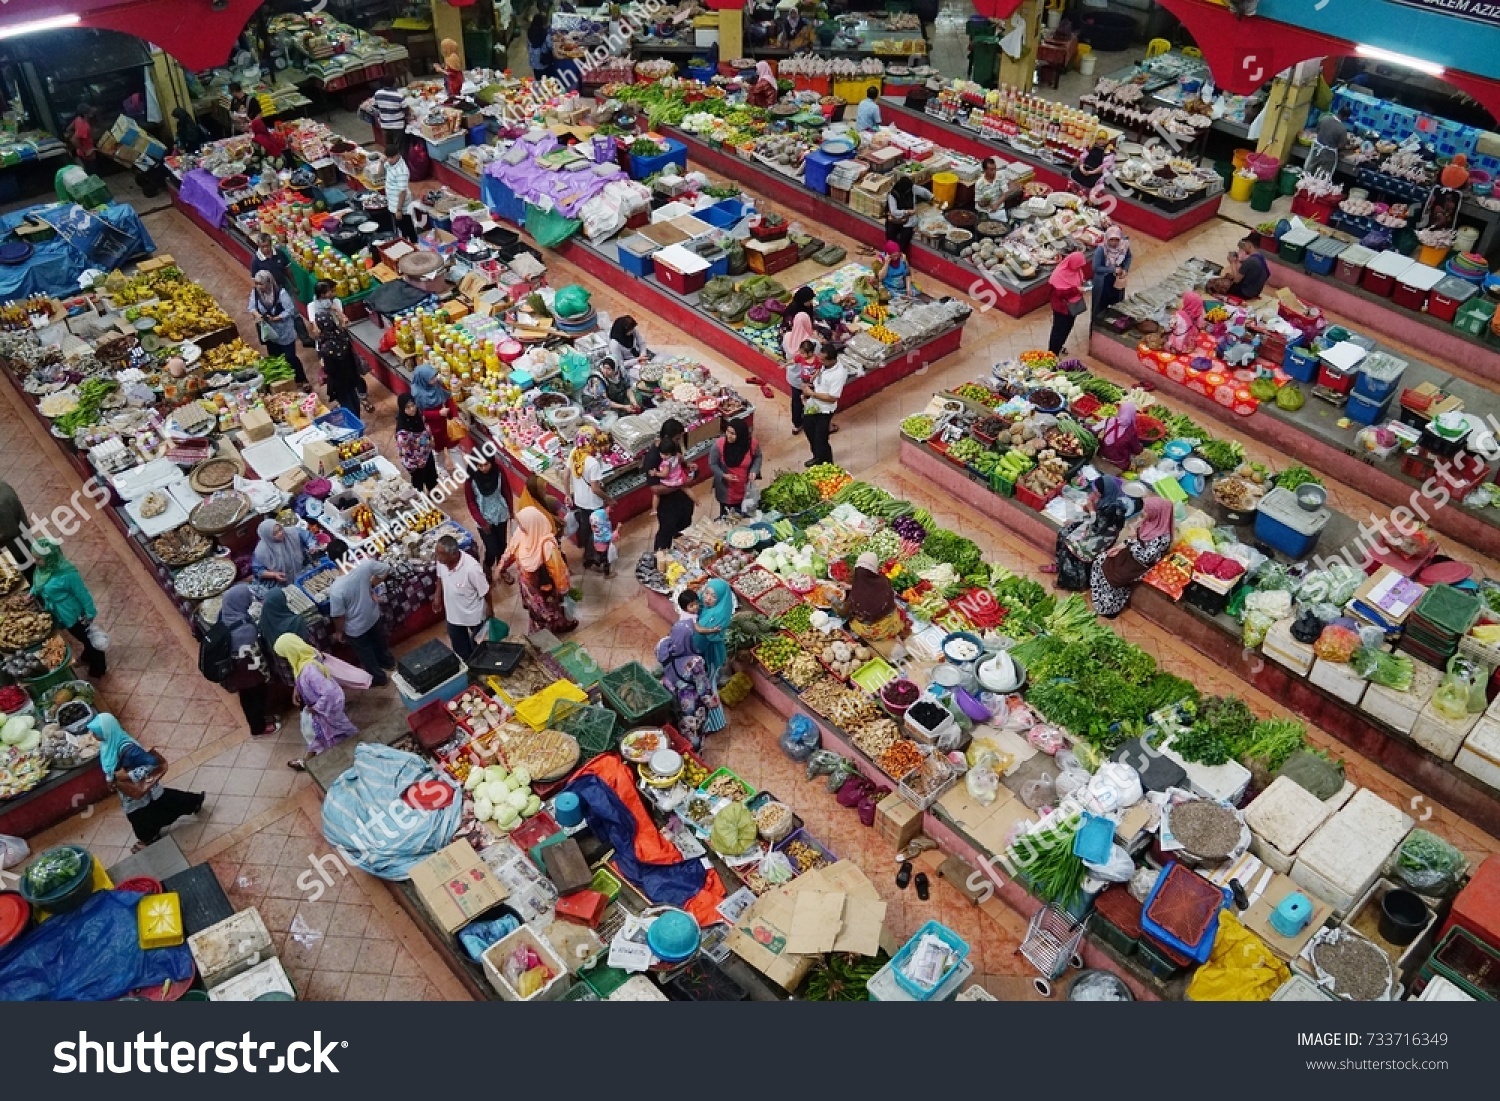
13,850
97,638
216,654
348,676
800,738
1077,307
265,331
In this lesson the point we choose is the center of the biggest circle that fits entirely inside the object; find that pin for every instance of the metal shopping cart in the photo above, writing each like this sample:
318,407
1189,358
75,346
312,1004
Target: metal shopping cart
1051,945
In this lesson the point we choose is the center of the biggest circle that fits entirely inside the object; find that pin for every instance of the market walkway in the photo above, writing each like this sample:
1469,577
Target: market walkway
262,825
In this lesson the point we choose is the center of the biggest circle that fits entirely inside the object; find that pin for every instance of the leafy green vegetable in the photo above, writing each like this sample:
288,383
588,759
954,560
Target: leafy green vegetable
1273,741
1046,860
1222,455
1294,476
791,493
1220,732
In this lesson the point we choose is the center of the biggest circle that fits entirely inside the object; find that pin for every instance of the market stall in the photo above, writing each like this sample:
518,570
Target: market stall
1326,395
993,433
852,36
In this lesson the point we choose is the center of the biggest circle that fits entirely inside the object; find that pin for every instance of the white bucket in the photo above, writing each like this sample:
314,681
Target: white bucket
1086,64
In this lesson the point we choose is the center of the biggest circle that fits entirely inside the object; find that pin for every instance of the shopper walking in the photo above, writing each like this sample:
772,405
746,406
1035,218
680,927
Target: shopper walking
136,774
355,611
398,190
325,718
414,444
277,619
462,597
335,349
58,587
820,400
1068,302
542,572
734,458
586,472
488,497
674,505
276,318
432,400
686,676
249,677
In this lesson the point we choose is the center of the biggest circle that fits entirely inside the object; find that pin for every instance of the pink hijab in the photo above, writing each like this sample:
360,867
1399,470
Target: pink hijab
802,329
1068,276
1192,307
1156,521
763,72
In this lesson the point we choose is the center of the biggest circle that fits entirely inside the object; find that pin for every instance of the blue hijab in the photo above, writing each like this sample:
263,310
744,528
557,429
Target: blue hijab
426,388
113,741
716,620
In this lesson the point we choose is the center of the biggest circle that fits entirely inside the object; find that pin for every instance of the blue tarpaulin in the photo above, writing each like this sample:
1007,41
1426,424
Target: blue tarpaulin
91,954
365,816
84,241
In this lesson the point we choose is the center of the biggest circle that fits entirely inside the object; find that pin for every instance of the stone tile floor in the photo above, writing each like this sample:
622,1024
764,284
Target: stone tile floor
260,828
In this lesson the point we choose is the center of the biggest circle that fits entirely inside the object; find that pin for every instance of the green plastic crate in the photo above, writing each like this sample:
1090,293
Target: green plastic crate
1452,610
1473,317
594,727
604,980
634,694
580,666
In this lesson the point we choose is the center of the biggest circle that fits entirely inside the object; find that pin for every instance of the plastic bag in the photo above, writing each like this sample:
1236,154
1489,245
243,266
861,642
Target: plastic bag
1114,787
477,936
1046,738
800,737
1428,864
1336,644
1240,967
1070,780
13,850
1307,628
1037,793
1276,603
776,868
1117,869
1256,626
982,781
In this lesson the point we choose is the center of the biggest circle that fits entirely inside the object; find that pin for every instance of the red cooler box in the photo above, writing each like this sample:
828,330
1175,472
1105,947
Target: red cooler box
1414,285
1351,264
1338,366
1383,270
1448,297
681,268
1477,907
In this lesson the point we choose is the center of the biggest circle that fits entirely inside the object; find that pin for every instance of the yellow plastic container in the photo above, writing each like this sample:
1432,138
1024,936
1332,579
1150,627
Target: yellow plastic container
1241,158
852,91
1240,187
159,921
535,710
1432,256
944,188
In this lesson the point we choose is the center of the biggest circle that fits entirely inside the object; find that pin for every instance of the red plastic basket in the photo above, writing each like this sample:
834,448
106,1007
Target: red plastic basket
1121,909
1185,905
1034,500
431,724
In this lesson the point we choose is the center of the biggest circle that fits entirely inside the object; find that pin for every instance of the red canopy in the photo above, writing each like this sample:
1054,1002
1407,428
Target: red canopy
190,30
1244,53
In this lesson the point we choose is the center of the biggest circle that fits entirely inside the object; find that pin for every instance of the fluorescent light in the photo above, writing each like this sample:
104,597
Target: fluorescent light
1375,53
51,23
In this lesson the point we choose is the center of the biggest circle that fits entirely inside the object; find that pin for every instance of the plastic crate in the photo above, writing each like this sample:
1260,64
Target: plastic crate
342,418
1468,962
581,668
703,981
719,773
1117,919
536,710
1301,363
432,724
1182,911
898,964
593,727
604,980
723,215
1157,958
648,697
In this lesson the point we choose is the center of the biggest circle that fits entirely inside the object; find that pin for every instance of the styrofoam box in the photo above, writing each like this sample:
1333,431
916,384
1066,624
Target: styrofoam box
231,947
495,954
1224,783
1439,735
1346,854
1480,755
1300,988
1439,989
1281,818
1399,710
1337,679
267,977
1286,651
883,987
977,993
1491,712
637,988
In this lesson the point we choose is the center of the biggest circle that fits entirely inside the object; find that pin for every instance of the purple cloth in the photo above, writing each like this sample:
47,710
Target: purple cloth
567,191
323,699
200,190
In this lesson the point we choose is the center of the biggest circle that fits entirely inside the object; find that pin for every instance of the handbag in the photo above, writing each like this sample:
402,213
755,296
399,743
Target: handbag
348,676
139,789
1077,307
456,431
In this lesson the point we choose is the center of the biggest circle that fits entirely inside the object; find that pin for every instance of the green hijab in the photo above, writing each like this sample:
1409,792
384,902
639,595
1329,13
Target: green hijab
717,618
51,565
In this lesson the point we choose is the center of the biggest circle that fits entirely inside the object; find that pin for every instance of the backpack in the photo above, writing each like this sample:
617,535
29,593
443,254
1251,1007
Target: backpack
216,654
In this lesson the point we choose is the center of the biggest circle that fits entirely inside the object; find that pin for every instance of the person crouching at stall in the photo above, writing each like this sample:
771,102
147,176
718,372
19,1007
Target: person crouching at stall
870,604
1081,542
281,554
1114,576
764,93
1187,323
325,718
1119,442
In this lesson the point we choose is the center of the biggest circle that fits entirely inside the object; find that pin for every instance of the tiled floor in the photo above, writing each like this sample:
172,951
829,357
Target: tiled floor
261,826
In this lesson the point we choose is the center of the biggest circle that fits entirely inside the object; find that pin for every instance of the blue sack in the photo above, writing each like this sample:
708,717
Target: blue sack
800,737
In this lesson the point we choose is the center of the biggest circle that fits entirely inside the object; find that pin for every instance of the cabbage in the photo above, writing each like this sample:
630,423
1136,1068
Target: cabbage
495,791
30,742
477,776
484,810
16,728
522,777
496,772
506,816
518,799
533,806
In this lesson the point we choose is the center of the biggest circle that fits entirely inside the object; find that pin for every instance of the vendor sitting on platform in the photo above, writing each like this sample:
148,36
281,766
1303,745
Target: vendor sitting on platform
1248,270
609,390
1187,323
870,605
764,93
271,143
867,114
990,191
793,32
281,554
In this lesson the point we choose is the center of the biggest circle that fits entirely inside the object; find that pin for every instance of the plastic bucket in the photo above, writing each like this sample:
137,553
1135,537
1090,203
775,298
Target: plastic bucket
1262,195
1086,64
1432,255
1289,177
944,188
1402,916
1240,187
1241,158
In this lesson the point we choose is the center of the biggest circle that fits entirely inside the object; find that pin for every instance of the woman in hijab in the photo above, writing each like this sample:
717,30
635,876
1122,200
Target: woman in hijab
129,768
799,333
489,503
335,349
1080,543
674,505
189,134
539,46
1089,172
894,271
276,315
626,345
764,93
608,390
734,460
277,619
870,604
1067,299
715,610
414,444
1187,323
543,574
901,210
432,402
281,554
1114,575
248,677
535,496
1118,441
685,675
325,720
58,587
1112,260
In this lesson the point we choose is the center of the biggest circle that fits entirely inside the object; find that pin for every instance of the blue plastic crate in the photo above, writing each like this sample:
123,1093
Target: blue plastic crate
1321,263
342,418
1301,363
724,214
702,73
317,567
1366,410
440,151
639,264
1284,525
1379,375
815,169
719,266
943,933
1197,952
641,167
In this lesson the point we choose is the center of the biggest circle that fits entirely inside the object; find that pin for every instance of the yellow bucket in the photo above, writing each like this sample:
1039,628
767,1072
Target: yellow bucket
944,188
1240,187
1432,256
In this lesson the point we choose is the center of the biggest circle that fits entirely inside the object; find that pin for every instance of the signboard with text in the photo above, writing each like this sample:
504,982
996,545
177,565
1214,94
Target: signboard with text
1479,11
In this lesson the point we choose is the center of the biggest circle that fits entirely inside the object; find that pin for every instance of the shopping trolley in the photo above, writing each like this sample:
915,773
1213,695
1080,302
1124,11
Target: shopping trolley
1051,945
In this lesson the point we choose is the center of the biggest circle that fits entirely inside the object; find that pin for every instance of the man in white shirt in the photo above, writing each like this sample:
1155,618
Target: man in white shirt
398,190
463,596
390,114
820,400
588,494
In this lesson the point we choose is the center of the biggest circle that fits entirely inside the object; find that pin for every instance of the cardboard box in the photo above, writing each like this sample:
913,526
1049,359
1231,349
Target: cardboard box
284,386
897,821
231,947
457,886
320,456
293,481
257,425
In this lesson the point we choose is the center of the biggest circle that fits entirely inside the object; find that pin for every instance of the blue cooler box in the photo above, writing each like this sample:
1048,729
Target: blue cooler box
1286,526
815,168
1301,363
635,253
1323,255
1378,375
1364,410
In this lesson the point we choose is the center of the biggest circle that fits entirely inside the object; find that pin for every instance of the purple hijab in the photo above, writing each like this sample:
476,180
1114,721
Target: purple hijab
674,649
1118,442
